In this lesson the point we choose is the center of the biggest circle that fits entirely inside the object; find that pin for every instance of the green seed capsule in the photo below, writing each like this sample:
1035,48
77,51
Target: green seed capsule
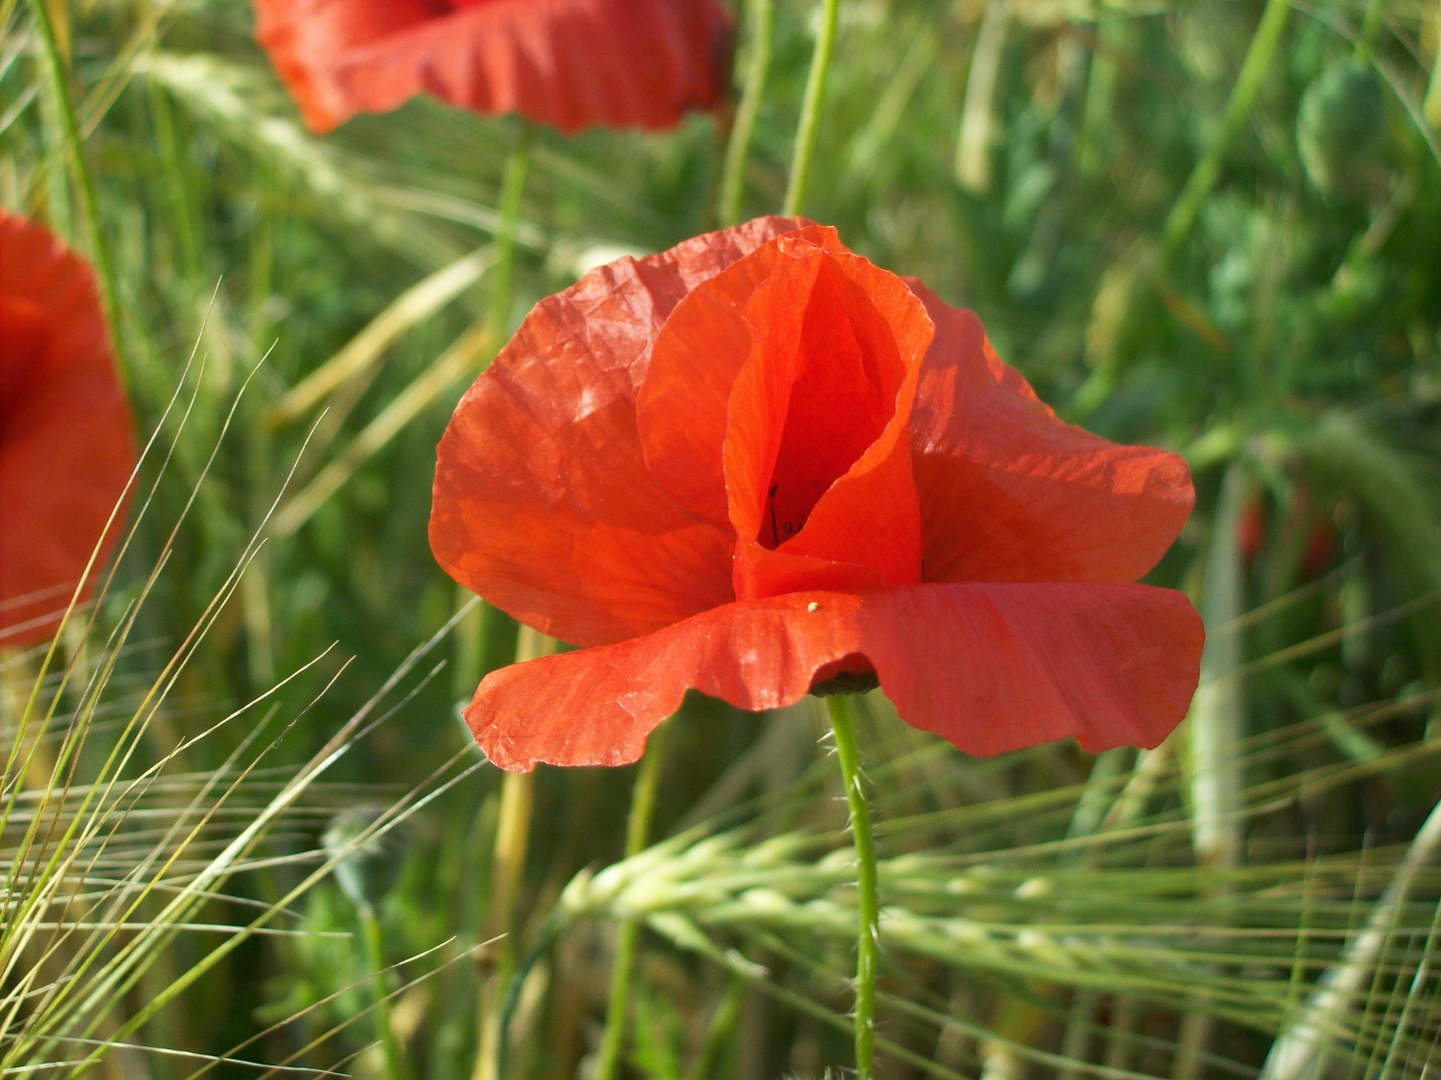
1341,123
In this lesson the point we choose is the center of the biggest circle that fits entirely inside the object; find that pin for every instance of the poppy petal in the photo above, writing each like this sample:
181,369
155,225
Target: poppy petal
66,450
542,501
681,408
817,456
998,667
989,667
760,571
567,63
1011,493
306,39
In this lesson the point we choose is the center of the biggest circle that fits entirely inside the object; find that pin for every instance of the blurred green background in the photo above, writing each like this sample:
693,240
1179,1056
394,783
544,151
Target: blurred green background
1209,225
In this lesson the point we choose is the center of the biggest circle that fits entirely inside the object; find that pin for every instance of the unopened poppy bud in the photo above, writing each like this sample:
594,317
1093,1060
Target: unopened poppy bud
368,859
1341,121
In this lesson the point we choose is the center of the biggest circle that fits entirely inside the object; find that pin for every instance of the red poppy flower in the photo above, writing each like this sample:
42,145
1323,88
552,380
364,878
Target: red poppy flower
757,462
65,433
566,63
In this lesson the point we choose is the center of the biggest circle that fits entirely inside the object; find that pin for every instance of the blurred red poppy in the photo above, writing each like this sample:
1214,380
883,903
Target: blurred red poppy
567,63
66,451
756,464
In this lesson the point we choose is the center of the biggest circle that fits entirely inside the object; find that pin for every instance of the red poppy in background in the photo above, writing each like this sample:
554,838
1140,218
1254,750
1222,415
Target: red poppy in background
566,63
756,463
66,451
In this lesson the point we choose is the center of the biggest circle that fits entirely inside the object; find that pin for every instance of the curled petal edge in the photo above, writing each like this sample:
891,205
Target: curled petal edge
990,667
568,63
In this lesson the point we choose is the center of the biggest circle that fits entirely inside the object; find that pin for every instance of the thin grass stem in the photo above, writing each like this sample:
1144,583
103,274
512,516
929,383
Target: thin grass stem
637,834
468,352
1432,106
1254,69
395,1064
512,191
55,73
360,356
843,726
722,1025
512,844
761,16
811,107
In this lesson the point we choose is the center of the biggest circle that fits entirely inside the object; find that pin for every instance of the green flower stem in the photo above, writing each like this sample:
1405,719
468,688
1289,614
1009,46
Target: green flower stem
512,842
502,295
1186,210
811,107
512,189
55,75
395,1064
1370,32
761,17
1254,68
637,835
867,894
718,1031
1432,107
508,858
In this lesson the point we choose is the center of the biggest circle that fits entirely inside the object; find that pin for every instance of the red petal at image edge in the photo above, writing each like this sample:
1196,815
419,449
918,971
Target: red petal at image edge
66,459
989,667
570,64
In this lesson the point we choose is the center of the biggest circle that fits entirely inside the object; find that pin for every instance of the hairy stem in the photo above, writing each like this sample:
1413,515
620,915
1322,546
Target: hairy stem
761,17
811,107
637,834
868,896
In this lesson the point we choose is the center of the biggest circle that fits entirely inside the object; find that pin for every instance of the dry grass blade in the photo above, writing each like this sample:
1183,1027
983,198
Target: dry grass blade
1217,719
1433,93
224,94
1135,919
109,867
1301,1047
411,307
462,358
973,147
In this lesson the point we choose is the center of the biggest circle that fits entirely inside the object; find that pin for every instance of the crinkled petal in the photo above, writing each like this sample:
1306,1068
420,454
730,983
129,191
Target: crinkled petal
543,503
1011,493
567,63
989,667
307,39
66,446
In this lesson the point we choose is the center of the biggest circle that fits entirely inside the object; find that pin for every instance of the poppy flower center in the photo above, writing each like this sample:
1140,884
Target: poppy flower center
816,453
776,407
841,397
25,334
